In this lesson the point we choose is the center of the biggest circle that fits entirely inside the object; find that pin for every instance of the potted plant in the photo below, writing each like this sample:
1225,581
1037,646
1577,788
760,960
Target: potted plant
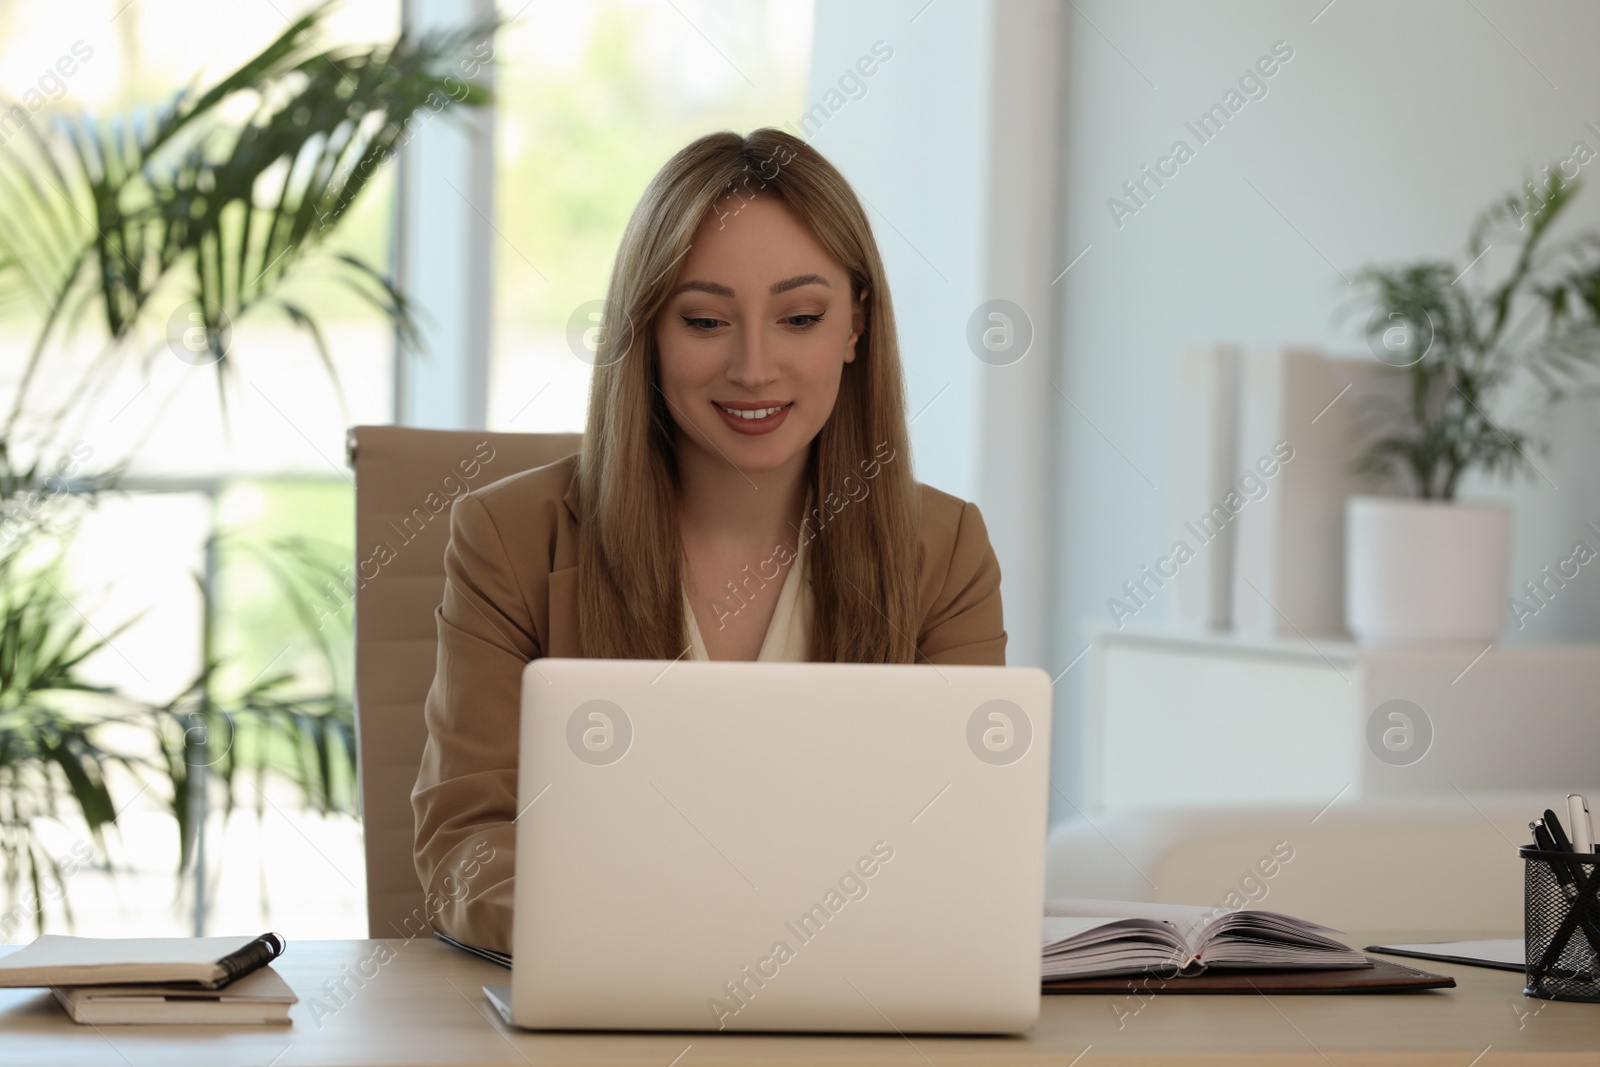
1427,566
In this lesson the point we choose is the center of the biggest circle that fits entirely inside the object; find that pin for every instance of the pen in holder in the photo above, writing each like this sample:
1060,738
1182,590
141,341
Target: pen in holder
1561,924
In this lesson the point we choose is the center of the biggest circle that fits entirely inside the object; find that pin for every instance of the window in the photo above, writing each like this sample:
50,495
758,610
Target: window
277,469
594,97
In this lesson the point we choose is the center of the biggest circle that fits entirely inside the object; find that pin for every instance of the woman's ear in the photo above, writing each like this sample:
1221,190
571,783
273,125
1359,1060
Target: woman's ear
858,324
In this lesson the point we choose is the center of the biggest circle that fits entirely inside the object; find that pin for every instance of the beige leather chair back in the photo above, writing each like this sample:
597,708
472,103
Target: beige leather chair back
406,479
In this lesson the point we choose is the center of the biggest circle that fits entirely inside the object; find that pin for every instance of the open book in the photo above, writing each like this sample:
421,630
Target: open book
1100,937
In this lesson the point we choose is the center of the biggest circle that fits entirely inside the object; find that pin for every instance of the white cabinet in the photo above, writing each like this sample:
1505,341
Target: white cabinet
1180,719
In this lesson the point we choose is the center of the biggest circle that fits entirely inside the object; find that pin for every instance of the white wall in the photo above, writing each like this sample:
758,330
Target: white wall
953,148
909,149
1380,140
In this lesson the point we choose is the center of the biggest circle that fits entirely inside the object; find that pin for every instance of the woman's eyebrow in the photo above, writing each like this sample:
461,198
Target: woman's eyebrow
797,281
778,288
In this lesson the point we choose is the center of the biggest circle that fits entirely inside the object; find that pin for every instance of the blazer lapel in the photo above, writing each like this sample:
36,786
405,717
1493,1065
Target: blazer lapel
563,627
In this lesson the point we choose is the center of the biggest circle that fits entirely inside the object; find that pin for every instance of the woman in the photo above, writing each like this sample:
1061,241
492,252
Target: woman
744,492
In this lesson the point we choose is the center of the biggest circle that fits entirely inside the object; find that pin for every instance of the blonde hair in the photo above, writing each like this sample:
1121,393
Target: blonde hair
862,554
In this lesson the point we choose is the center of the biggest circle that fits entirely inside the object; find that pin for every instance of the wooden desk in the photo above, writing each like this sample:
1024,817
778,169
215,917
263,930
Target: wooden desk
425,1006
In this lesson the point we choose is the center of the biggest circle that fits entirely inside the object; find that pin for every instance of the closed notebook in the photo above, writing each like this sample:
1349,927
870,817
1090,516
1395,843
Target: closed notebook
1505,954
197,962
259,997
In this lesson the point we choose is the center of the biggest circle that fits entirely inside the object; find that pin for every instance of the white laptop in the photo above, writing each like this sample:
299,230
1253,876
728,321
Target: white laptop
780,846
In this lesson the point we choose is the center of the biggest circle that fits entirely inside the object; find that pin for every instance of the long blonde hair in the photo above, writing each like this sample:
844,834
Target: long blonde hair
862,555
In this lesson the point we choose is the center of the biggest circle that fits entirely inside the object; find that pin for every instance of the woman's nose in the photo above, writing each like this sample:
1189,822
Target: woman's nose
752,364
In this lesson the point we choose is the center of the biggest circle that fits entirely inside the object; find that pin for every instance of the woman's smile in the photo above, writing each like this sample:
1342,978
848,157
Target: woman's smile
758,418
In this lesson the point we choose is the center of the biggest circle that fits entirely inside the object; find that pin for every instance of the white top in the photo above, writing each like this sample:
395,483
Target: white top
787,634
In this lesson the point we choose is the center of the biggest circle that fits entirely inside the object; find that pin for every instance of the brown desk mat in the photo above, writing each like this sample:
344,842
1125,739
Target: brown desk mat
1382,977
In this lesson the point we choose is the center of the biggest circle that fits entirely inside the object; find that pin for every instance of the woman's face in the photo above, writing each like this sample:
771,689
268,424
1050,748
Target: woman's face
760,322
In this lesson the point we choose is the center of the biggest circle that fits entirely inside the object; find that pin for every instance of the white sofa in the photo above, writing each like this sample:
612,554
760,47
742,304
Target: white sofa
1430,866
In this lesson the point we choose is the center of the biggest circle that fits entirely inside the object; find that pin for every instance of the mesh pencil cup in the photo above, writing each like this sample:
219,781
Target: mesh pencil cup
1561,924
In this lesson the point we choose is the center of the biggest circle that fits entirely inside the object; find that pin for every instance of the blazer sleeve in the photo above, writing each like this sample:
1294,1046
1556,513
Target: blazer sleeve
965,624
466,791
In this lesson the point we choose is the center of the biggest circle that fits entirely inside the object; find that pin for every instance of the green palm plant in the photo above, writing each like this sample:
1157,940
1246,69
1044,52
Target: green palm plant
271,724
122,221
119,217
51,718
1462,343
49,746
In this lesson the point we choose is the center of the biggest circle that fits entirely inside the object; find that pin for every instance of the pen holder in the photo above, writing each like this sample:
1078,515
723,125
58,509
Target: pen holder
1561,924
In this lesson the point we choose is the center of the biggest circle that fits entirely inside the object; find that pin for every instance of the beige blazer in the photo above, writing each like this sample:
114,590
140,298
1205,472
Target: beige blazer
510,596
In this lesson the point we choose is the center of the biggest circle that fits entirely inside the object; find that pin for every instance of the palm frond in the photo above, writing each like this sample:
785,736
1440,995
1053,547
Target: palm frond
132,206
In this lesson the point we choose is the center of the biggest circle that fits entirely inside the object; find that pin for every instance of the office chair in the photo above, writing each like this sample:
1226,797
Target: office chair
402,475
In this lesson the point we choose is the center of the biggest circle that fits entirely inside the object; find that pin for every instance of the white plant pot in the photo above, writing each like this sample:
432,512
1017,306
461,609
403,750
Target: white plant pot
1425,570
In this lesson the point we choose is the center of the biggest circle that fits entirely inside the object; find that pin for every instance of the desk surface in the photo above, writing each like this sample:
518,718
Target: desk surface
425,1006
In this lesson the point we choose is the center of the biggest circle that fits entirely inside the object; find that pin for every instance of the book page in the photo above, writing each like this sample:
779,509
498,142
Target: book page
1273,939
1189,920
1084,944
1216,937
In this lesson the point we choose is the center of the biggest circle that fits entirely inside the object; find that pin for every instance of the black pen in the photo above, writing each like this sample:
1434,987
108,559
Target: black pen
1557,835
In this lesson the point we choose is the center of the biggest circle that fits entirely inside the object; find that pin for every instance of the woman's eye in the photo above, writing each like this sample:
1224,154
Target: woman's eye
705,324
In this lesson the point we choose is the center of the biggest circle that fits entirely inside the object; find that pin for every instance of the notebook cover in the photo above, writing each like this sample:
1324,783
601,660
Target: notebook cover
263,985
1382,977
259,997
1415,951
201,963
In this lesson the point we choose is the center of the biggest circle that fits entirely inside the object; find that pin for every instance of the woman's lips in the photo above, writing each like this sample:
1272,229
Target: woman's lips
755,426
